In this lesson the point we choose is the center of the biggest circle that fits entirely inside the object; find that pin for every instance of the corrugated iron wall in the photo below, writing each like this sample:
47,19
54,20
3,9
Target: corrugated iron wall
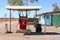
55,20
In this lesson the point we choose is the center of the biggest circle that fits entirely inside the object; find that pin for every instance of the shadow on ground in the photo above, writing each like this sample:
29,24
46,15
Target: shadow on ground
47,33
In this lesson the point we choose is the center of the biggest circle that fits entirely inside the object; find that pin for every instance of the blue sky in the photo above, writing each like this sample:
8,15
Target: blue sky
45,4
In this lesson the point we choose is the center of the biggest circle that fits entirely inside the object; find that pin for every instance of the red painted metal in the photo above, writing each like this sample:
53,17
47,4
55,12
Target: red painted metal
23,23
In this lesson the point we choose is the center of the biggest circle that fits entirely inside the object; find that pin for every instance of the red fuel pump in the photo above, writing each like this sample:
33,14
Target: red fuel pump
23,23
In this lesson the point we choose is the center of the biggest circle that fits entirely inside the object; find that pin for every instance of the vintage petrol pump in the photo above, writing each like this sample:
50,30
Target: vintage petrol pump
23,21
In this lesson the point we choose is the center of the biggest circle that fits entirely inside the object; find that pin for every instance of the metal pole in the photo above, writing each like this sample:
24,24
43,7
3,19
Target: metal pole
26,10
39,19
45,29
44,25
36,13
26,14
10,21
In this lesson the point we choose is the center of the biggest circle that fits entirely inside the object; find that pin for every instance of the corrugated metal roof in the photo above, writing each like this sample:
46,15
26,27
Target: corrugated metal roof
23,8
52,12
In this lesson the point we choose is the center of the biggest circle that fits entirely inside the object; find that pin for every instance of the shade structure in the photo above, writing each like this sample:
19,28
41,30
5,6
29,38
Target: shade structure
23,8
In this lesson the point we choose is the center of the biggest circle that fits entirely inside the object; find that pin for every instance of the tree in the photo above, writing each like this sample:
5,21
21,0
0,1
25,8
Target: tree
19,2
56,7
33,0
30,1
15,2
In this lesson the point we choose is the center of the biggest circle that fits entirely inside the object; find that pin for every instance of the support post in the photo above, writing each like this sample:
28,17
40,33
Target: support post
44,25
26,14
10,20
45,29
26,5
35,13
10,23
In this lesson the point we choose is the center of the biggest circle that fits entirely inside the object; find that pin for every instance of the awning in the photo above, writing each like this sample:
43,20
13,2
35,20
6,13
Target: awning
23,8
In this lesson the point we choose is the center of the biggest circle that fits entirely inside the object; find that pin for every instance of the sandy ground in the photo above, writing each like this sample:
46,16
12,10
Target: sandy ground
21,36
